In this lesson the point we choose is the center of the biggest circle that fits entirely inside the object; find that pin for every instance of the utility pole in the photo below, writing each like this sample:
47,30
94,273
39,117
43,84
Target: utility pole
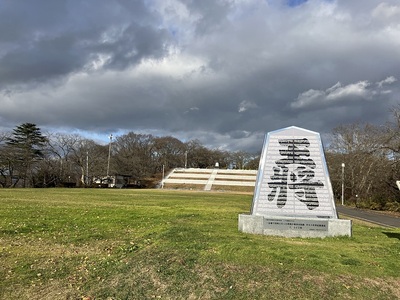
343,165
87,168
109,155
163,175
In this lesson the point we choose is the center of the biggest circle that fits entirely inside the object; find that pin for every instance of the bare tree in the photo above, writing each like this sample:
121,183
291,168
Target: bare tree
168,151
391,146
198,155
7,162
134,155
241,159
363,148
61,151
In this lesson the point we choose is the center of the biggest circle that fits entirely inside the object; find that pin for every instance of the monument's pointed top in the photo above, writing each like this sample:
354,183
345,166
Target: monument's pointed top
294,129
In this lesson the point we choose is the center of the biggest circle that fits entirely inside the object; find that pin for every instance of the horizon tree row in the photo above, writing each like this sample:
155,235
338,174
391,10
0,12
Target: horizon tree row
29,158
365,158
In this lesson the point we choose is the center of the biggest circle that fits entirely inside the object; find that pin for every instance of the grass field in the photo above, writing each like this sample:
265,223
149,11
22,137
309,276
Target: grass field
154,244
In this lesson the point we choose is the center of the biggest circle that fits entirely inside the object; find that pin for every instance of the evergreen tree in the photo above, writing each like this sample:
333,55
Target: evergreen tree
27,144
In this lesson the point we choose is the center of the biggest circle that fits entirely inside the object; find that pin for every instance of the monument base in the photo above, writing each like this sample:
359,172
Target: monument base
294,226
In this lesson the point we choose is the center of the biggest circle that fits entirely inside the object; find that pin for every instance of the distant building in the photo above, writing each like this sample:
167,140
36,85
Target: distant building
114,181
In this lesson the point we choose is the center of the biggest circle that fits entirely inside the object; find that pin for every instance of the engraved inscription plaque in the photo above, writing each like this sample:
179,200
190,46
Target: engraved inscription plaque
295,224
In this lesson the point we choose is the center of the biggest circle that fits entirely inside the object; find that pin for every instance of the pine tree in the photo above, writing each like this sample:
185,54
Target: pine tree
27,144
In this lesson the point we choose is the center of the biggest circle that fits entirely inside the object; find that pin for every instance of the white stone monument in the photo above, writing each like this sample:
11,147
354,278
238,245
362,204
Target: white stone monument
293,196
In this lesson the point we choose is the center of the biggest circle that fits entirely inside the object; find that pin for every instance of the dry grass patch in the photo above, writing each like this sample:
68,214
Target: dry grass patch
190,187
233,188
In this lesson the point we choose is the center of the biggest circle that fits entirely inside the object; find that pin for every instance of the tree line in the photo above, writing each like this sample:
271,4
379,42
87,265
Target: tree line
363,160
30,158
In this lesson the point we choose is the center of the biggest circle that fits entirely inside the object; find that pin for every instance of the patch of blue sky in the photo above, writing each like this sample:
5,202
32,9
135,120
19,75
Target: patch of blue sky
295,2
173,30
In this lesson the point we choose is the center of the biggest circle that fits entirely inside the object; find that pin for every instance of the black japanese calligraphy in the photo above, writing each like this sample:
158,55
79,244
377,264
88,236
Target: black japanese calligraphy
295,171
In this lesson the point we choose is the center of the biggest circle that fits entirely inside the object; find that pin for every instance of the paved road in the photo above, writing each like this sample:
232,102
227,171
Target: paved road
370,216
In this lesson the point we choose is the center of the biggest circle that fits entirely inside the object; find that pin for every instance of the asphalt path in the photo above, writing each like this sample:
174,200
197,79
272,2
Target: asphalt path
379,218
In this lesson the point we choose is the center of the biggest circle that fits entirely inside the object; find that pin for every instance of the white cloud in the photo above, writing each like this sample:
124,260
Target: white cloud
245,105
338,93
388,80
308,98
192,109
175,65
384,11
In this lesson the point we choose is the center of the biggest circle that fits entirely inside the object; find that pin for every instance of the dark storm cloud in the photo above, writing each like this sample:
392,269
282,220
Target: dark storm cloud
48,39
224,72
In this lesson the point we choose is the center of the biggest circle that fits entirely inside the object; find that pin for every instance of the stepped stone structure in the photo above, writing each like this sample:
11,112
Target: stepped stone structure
209,178
293,195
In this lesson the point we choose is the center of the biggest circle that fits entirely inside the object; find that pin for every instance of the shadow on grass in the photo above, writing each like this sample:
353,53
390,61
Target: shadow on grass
392,235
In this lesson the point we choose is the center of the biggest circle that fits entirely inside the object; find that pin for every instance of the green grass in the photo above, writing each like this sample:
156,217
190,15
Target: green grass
154,244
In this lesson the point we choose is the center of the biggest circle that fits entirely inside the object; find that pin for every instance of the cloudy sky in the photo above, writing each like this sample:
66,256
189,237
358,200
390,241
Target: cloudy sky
221,71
